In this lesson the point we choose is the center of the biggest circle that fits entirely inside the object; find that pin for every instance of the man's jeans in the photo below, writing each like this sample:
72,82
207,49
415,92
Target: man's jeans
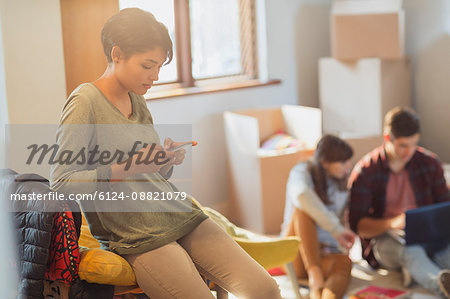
391,254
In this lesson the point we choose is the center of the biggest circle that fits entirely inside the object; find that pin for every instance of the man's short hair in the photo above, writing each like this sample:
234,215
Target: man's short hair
401,122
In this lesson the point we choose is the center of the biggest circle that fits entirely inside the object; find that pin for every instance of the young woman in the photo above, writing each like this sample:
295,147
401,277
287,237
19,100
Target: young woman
316,197
167,250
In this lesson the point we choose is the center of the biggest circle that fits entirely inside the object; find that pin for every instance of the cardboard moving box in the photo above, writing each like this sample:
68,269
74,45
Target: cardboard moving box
361,144
354,97
257,183
367,28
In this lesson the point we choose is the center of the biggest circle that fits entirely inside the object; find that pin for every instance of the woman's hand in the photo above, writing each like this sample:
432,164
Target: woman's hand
180,154
346,239
149,159
158,158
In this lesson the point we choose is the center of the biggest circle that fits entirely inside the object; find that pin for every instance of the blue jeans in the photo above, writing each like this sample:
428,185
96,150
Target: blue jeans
423,269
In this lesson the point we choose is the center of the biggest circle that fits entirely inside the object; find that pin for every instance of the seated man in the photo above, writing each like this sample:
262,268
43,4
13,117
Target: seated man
393,178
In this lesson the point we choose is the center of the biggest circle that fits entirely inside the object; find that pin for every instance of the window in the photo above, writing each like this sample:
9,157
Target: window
212,38
214,43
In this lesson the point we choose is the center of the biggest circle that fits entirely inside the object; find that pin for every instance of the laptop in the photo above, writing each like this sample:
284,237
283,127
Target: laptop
428,224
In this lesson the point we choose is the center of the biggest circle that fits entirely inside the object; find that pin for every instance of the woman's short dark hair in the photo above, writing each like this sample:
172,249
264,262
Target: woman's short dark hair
329,149
134,30
401,122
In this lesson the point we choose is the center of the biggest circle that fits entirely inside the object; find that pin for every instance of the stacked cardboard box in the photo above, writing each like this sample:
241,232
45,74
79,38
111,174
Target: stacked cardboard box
367,28
354,96
361,144
368,73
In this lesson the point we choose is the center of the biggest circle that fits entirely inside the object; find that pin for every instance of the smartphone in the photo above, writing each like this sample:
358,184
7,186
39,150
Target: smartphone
184,145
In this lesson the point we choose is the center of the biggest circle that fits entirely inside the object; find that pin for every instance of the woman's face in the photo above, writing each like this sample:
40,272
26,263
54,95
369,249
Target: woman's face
338,170
138,72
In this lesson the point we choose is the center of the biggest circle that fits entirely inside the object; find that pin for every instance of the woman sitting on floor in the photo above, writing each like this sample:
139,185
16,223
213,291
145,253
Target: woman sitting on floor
316,198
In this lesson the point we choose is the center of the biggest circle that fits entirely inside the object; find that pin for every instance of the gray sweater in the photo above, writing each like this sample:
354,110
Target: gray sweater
129,225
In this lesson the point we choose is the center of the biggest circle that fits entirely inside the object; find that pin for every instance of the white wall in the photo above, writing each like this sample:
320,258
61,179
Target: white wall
8,276
3,103
428,45
312,41
34,61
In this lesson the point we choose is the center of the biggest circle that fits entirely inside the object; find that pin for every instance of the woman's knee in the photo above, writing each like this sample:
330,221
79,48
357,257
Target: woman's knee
345,263
342,265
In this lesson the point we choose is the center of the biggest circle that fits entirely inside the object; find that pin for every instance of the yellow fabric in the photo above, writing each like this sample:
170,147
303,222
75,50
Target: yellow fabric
101,266
86,239
104,267
268,252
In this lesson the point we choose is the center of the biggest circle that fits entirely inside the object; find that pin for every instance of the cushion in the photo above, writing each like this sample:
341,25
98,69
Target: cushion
101,266
86,239
281,141
269,252
105,267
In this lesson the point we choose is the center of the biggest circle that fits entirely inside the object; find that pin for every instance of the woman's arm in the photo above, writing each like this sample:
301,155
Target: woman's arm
326,219
299,191
309,202
77,133
372,227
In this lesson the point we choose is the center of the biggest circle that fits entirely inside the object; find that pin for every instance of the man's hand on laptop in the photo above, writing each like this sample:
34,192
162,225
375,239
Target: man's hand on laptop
398,222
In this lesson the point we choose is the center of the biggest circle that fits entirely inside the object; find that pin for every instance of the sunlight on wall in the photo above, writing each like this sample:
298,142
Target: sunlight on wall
8,281
447,12
3,105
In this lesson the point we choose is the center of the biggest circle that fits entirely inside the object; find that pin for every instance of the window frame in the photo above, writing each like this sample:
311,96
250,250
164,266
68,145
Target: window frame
183,42
186,84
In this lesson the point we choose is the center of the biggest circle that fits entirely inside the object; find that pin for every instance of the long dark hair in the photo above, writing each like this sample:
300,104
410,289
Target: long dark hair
329,149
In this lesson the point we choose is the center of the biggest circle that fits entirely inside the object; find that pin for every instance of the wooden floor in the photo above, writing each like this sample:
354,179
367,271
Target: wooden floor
362,276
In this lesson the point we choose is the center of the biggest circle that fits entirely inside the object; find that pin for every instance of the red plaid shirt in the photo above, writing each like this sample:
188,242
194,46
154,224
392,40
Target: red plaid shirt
369,179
